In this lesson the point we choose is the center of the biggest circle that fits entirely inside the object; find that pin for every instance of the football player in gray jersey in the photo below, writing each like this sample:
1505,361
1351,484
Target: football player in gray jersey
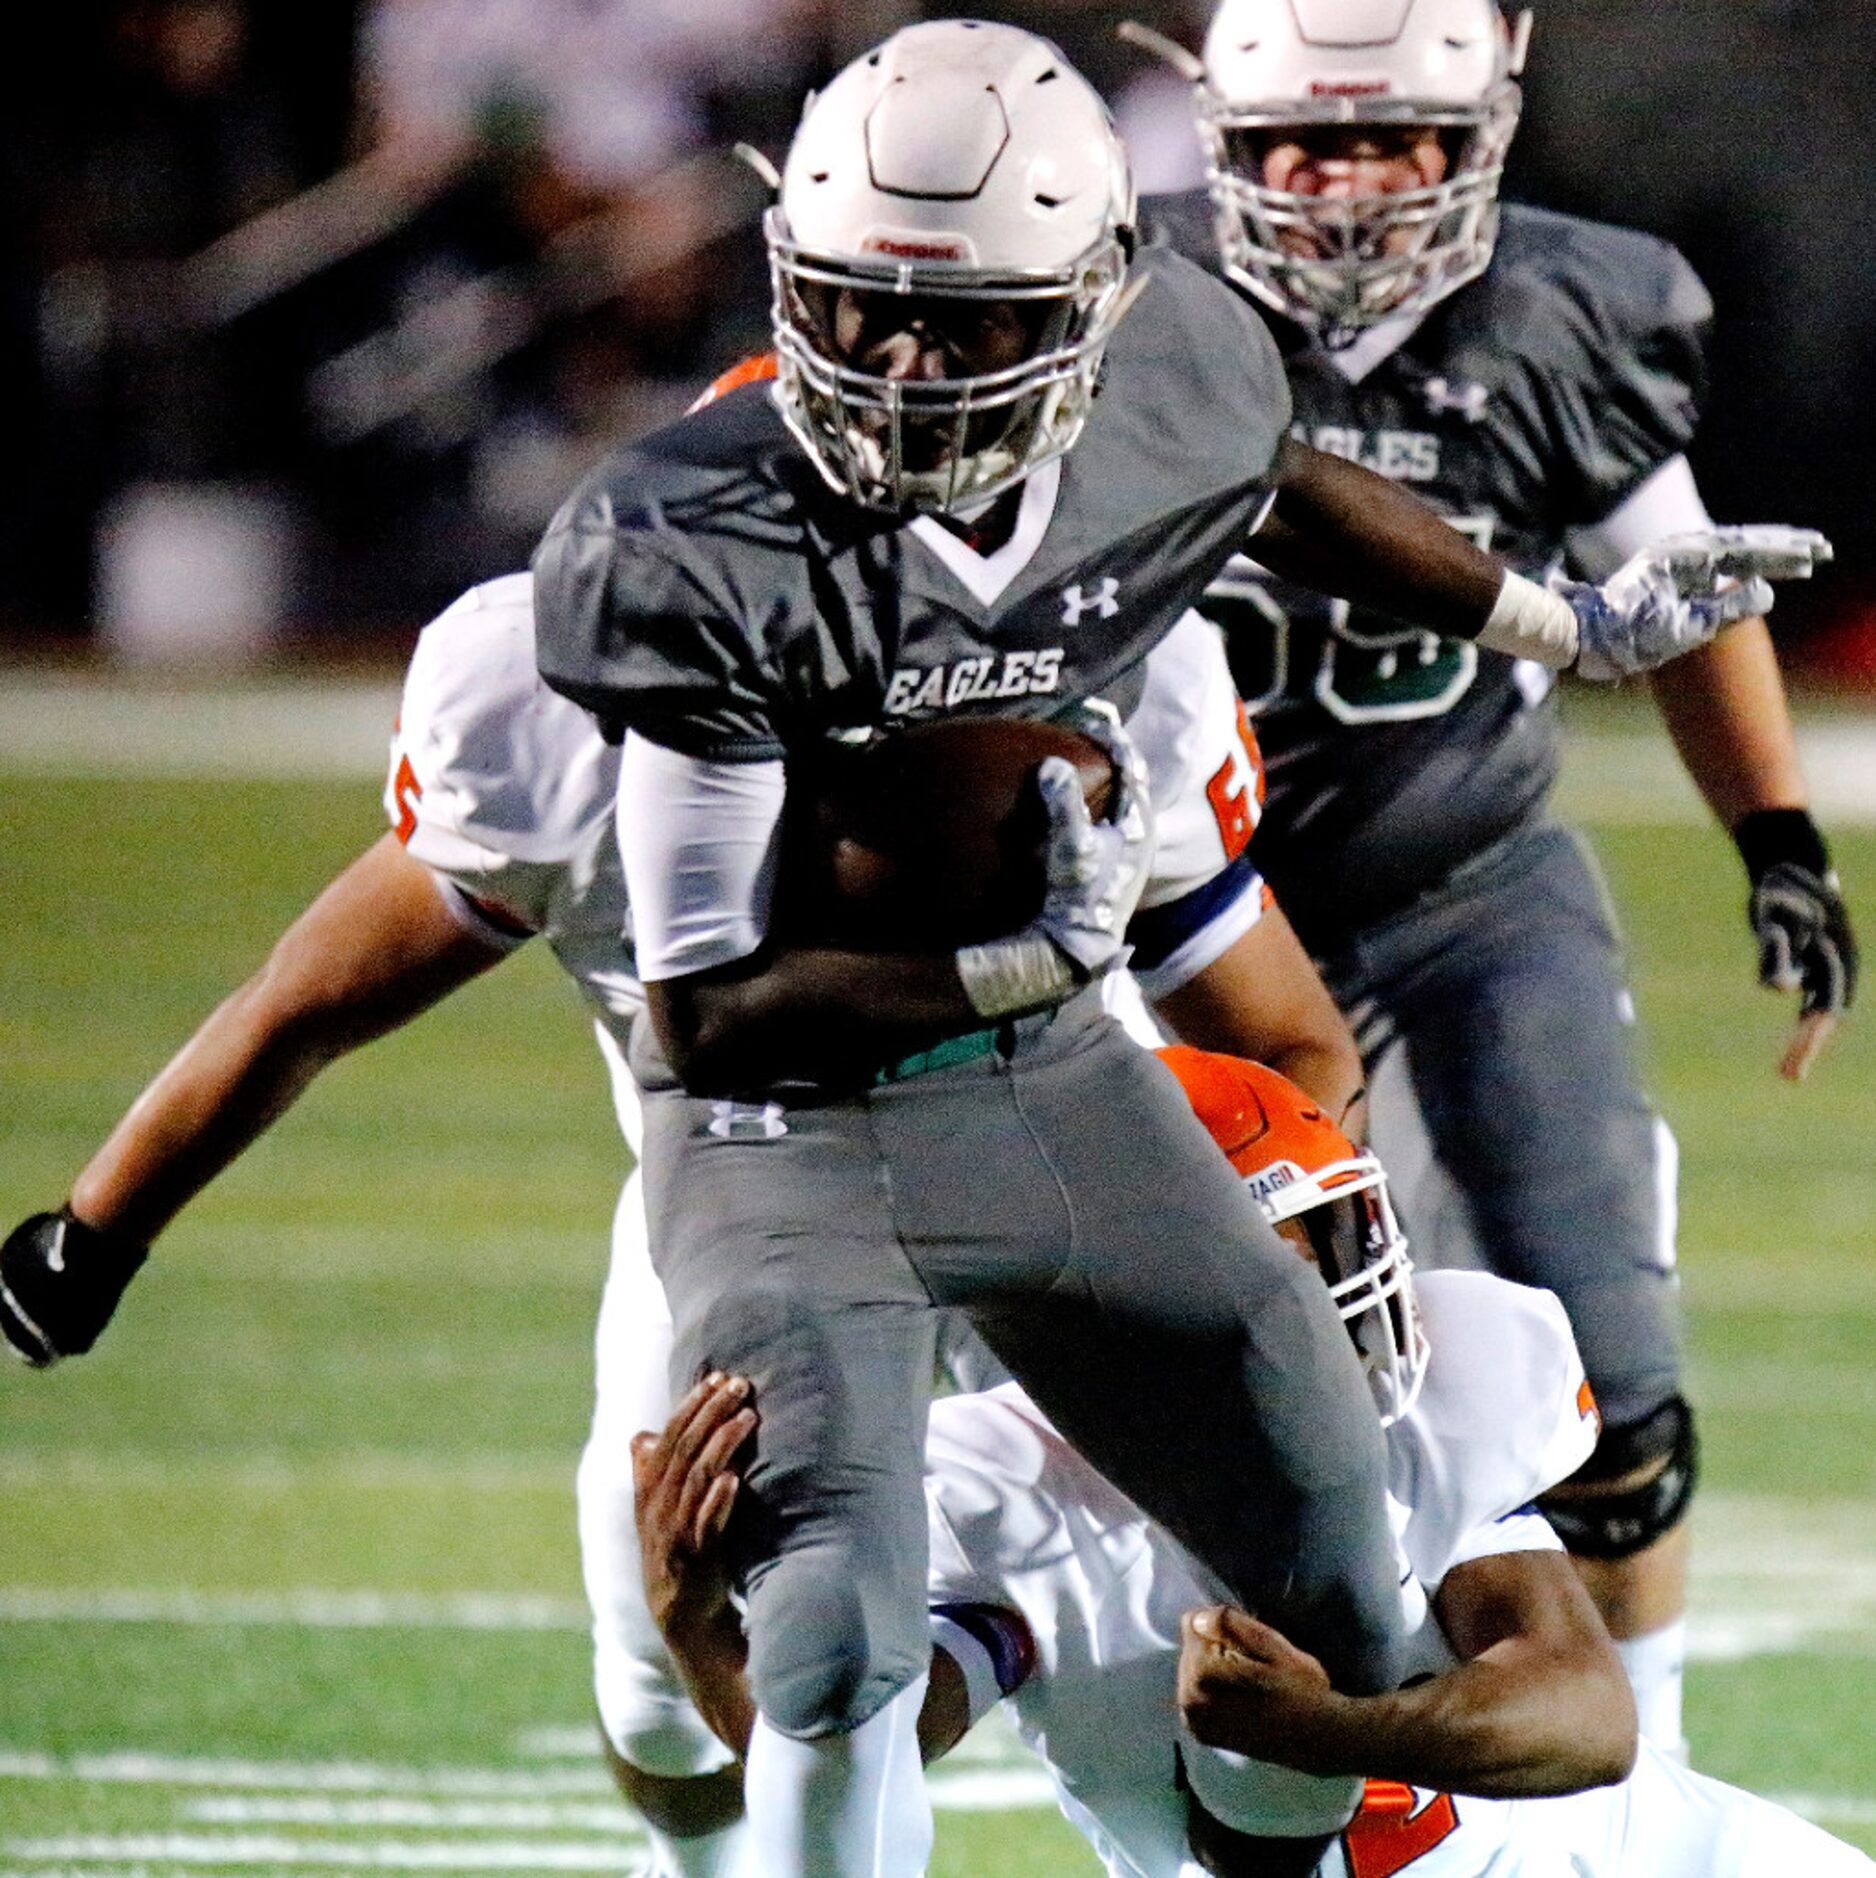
933,514
1536,378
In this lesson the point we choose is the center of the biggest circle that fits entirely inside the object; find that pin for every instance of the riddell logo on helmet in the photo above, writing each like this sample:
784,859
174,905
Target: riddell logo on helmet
1350,87
917,247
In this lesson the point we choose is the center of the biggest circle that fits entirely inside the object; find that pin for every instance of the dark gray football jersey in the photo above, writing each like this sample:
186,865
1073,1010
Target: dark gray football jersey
1530,403
705,588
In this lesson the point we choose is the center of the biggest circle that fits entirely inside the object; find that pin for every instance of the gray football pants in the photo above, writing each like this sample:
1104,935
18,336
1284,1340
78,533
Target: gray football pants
1061,1192
1495,1023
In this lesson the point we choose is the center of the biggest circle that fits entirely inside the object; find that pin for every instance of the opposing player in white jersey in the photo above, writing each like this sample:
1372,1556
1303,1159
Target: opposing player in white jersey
1049,1587
502,797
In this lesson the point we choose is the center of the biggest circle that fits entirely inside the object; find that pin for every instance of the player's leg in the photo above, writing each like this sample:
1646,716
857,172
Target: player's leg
779,1262
683,1782
1114,1262
1505,1096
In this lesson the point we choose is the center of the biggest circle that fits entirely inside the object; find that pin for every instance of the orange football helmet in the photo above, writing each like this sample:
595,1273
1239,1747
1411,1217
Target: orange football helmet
1301,1168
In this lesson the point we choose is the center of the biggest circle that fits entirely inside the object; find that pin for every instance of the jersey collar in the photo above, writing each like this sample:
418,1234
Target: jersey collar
1375,347
987,577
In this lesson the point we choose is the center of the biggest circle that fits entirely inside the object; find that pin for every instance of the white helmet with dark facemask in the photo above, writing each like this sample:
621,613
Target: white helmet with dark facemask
961,177
1275,68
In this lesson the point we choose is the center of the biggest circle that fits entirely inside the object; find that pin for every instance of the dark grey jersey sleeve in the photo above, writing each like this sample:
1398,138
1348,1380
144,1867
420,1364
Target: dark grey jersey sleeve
628,623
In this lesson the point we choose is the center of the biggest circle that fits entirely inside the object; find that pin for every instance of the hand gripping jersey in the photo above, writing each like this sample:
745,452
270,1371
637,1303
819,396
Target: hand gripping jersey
1530,406
705,589
1017,1518
507,792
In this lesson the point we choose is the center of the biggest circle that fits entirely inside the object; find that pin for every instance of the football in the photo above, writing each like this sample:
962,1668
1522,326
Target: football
928,838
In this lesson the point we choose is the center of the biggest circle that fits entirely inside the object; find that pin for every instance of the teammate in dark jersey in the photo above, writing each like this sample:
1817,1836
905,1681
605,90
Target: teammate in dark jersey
1536,378
836,1141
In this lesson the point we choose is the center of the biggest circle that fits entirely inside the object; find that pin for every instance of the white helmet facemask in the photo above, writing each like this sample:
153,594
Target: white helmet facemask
958,194
1345,1213
1277,70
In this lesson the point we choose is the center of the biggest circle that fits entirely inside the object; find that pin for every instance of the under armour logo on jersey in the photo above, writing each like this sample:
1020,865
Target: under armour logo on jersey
1104,601
1467,400
746,1121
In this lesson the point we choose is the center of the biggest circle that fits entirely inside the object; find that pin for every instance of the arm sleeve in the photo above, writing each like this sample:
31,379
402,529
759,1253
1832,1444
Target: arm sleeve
698,841
1665,503
632,623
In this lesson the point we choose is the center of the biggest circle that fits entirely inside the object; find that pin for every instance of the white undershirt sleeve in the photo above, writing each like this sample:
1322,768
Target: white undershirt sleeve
698,841
1665,503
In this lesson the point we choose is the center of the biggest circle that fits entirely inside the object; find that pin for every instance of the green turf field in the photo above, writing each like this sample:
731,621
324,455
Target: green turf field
287,1572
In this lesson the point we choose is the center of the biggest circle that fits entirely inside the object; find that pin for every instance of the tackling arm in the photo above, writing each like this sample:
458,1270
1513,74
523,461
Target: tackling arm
375,949
1540,1705
1263,999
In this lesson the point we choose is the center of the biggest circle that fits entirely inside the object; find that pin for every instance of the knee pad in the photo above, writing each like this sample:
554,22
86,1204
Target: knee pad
1618,1524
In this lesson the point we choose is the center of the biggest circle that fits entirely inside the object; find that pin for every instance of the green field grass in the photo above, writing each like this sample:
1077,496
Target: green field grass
360,1368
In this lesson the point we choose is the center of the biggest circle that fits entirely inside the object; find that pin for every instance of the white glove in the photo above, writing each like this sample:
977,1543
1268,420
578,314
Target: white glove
1093,876
1670,597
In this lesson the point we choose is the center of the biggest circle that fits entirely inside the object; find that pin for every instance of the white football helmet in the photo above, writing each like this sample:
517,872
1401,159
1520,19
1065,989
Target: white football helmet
961,171
1276,66
1307,1175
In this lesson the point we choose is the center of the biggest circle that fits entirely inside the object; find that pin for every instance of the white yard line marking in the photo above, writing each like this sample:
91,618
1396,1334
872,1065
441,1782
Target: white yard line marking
130,1768
431,1815
177,1848
305,1610
991,1790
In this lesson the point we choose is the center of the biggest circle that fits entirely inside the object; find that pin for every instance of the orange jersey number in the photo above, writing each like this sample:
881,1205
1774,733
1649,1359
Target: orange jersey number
1237,804
1387,1835
406,792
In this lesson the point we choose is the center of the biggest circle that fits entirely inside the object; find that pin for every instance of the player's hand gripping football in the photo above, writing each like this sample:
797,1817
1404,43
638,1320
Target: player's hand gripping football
1246,1687
1093,876
60,1280
1677,594
1802,926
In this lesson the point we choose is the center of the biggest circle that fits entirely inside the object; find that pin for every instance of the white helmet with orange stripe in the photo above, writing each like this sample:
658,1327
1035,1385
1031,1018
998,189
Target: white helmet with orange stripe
1328,1197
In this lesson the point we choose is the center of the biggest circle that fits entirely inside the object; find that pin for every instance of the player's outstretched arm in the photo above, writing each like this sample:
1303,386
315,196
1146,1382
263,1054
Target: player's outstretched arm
1724,706
376,948
1539,1705
1347,531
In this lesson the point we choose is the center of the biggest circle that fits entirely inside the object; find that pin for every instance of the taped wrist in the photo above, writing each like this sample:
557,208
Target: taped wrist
1617,1525
1768,838
992,1648
1026,972
1528,622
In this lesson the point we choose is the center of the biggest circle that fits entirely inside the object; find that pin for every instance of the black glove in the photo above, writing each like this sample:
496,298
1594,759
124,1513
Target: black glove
1797,911
59,1283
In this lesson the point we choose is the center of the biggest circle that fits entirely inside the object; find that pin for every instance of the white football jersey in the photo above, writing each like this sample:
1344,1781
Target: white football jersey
1018,1518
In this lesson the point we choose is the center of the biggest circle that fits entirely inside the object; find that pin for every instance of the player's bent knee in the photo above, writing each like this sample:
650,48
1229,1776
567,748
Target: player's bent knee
828,1650
1599,1515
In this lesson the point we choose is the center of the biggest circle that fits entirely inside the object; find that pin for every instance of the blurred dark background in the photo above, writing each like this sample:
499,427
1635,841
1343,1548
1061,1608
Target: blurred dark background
310,314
